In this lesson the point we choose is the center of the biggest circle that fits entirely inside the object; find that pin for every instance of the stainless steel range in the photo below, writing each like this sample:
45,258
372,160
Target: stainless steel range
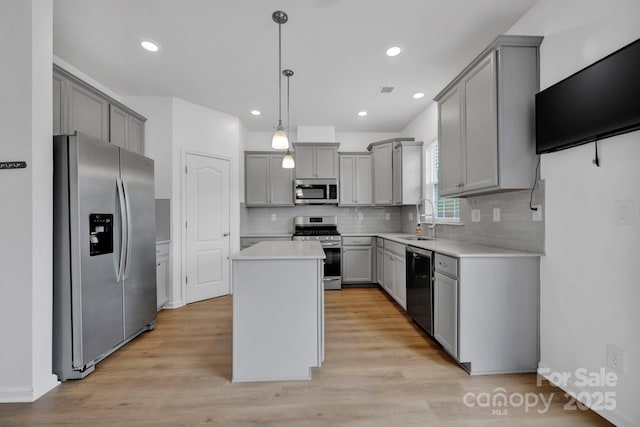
324,229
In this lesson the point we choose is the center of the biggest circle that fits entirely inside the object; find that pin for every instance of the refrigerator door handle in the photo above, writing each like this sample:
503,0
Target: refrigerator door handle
128,211
123,229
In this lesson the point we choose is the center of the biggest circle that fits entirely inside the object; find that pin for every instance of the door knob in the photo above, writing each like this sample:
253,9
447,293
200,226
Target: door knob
226,234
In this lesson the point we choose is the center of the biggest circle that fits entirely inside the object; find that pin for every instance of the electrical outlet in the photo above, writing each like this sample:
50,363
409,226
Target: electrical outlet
387,216
410,216
496,214
537,214
360,216
625,212
475,215
615,358
274,217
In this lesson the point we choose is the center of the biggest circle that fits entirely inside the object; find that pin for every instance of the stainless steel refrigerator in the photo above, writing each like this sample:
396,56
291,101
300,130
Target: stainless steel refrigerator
104,251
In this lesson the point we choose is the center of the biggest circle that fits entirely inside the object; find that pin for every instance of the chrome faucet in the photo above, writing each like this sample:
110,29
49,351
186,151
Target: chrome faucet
432,226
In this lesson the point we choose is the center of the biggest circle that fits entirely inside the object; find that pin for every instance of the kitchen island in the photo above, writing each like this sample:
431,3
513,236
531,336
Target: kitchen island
278,311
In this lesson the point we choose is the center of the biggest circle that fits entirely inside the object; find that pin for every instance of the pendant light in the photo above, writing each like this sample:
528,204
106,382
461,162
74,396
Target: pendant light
280,140
287,160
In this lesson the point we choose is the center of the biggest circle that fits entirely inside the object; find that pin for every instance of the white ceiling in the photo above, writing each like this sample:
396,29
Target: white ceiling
223,53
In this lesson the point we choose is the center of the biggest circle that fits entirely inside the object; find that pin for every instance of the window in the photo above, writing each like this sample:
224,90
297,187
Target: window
446,209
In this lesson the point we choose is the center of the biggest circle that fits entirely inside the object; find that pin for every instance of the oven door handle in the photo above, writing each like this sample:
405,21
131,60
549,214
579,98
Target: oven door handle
330,244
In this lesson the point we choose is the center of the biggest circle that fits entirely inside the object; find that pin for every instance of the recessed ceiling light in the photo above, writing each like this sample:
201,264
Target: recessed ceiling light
255,112
418,95
150,46
393,51
362,113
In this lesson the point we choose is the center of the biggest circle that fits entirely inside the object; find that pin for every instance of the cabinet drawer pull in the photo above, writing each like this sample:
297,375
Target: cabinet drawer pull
444,264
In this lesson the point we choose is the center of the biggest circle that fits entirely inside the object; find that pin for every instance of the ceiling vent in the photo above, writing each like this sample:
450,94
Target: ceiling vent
384,91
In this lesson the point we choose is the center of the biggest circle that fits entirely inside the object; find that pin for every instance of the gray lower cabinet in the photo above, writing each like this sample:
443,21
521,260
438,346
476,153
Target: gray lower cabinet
445,312
355,179
357,259
162,274
486,312
78,106
267,183
486,122
394,272
379,263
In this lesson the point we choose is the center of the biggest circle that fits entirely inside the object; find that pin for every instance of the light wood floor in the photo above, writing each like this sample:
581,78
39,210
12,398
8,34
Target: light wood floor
380,370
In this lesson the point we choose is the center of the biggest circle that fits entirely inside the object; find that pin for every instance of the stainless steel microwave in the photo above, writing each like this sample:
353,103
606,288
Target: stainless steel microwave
316,191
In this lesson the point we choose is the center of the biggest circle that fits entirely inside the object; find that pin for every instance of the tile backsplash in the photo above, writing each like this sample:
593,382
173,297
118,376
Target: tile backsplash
163,219
516,229
350,220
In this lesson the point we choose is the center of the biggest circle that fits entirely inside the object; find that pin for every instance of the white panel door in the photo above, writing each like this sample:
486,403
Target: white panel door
207,227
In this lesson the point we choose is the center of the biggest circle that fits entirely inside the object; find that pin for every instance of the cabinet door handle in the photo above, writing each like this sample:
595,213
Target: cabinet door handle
444,264
226,234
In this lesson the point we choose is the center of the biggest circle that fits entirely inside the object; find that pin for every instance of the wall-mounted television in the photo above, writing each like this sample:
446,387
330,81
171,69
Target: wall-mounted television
599,101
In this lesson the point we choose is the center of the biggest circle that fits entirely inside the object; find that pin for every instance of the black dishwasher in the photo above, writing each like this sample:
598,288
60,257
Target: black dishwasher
420,287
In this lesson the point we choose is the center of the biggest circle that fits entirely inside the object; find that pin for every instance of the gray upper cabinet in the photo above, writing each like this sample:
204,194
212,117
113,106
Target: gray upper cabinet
316,160
397,171
59,104
79,107
88,112
118,126
382,173
125,130
267,183
486,121
355,179
407,172
451,172
135,134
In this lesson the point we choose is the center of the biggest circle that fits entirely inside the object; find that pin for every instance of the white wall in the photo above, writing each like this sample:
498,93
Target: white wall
259,141
202,130
425,125
86,78
158,137
589,276
174,127
349,141
25,252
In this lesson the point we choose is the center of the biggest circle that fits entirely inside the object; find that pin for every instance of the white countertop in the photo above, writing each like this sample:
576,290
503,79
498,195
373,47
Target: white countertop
162,242
456,248
266,235
281,250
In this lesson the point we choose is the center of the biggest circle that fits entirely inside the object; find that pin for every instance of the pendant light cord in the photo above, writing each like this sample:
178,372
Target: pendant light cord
288,123
280,74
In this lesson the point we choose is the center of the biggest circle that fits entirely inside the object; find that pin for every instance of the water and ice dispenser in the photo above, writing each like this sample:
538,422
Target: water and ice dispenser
100,234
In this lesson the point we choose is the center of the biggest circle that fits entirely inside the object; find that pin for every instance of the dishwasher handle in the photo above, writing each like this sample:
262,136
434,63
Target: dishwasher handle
417,252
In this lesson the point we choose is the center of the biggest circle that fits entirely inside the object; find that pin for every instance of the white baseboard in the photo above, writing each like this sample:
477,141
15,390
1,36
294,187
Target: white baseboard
28,394
173,304
614,416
